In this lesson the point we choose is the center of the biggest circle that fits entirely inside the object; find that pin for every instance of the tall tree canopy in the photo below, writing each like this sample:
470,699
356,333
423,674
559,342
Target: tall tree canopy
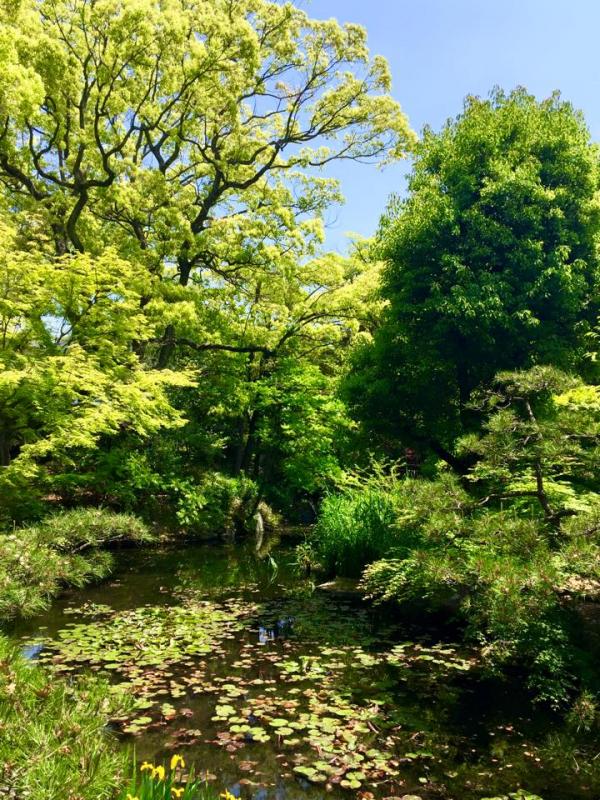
70,374
172,153
492,264
185,132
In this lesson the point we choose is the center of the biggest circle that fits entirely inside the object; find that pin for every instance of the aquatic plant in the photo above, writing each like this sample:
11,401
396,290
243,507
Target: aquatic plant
354,529
167,782
521,794
294,699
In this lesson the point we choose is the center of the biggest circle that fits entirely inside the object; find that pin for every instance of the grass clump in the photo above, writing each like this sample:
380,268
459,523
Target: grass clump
53,741
354,529
64,549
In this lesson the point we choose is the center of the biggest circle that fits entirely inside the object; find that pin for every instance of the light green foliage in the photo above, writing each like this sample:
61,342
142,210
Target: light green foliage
54,743
142,124
304,432
272,415
64,549
492,264
68,371
168,198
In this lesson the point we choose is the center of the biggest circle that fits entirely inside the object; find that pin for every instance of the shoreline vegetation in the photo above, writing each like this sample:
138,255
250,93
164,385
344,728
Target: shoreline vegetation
54,741
68,548
179,351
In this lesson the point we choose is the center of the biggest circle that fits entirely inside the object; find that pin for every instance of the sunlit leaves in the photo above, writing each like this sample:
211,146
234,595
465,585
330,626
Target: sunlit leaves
69,372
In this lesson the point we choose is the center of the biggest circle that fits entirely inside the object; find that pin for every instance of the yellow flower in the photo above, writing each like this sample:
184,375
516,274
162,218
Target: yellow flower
177,792
131,797
159,772
226,795
175,760
146,765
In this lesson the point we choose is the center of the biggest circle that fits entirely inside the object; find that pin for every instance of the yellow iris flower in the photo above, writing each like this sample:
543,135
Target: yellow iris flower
159,772
177,792
175,760
146,765
131,797
226,795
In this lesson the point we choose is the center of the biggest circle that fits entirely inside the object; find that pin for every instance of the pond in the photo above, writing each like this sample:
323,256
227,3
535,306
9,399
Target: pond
276,691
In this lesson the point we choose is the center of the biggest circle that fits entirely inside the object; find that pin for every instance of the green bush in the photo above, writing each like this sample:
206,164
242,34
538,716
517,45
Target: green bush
500,577
499,572
53,741
64,549
508,546
505,577
216,505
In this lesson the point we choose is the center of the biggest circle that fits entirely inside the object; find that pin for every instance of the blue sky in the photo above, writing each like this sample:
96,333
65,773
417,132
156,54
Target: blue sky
442,50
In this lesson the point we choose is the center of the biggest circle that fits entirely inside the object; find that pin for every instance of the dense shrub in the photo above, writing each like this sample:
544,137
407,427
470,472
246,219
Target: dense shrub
215,505
496,571
54,741
64,549
499,575
507,547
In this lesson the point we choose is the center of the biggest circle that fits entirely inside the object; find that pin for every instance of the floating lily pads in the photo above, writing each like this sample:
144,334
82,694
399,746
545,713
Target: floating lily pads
300,680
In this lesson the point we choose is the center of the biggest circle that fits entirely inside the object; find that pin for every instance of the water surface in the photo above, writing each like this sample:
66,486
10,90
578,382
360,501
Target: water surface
278,692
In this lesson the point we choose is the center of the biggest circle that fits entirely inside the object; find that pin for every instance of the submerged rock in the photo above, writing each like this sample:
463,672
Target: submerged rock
342,589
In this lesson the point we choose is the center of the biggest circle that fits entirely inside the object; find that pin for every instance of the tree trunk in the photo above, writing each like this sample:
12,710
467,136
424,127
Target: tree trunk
4,449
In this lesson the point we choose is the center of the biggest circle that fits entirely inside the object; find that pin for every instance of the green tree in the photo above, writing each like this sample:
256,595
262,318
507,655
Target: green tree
70,327
186,146
492,264
539,444
272,414
188,137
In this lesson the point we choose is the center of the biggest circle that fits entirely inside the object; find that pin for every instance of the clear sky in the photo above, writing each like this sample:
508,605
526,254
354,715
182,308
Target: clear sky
442,50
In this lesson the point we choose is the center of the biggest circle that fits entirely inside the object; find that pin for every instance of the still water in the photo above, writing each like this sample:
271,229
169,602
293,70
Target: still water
276,691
